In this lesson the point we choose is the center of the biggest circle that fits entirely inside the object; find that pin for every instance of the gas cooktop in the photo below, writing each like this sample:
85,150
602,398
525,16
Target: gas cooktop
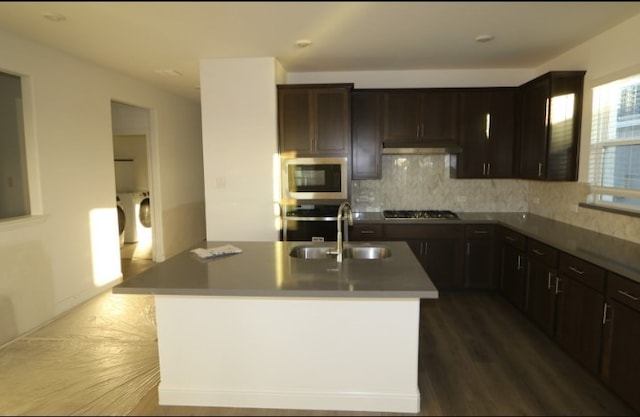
419,214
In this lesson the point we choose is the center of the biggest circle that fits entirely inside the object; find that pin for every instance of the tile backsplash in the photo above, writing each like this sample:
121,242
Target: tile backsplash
415,182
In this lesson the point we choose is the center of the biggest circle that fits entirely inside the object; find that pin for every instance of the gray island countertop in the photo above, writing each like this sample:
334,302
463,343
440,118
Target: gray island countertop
265,269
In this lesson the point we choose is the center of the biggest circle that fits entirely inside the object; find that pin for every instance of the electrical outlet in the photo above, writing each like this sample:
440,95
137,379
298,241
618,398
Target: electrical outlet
535,200
573,208
461,198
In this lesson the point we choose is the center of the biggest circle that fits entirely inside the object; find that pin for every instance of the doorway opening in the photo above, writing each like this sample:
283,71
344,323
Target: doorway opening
133,184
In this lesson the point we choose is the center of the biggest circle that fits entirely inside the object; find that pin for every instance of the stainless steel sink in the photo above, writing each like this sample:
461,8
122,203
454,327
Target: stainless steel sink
349,252
312,252
366,252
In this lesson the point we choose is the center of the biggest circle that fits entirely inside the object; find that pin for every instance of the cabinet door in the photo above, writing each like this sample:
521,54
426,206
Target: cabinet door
535,108
564,129
513,275
620,359
441,258
479,257
541,298
401,116
474,135
579,322
295,120
439,116
366,137
550,131
487,134
439,248
502,134
333,120
314,120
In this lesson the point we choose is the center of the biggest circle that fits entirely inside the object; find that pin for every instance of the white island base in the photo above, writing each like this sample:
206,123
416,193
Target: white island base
358,354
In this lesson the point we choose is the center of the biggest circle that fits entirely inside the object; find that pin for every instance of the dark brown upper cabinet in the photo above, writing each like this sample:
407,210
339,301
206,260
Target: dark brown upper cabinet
487,134
366,134
419,115
314,119
550,126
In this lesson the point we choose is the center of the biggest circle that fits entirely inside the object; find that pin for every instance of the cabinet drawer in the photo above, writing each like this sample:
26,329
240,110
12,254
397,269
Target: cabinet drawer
515,239
479,231
422,231
623,290
542,253
369,232
582,271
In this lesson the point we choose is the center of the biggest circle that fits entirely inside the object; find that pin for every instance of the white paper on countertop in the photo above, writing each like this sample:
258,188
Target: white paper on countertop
216,251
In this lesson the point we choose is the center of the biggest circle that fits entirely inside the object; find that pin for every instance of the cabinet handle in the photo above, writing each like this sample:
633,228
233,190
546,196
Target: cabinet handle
549,281
480,232
418,131
539,169
576,270
519,262
367,232
537,252
468,248
626,294
510,239
558,281
604,313
487,126
484,169
488,168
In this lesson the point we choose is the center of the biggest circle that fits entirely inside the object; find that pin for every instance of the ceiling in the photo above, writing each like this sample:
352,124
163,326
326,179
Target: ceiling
163,42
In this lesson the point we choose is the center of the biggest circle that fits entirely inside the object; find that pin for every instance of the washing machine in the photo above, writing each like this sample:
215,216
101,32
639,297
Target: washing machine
144,215
122,220
131,207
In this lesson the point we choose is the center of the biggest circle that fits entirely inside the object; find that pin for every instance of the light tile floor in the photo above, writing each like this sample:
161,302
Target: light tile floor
100,358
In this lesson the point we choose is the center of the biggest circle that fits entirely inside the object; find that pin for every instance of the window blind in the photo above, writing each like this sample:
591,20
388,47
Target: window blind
614,163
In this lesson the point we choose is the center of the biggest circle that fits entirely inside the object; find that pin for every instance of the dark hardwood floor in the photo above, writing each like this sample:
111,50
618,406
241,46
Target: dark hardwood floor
478,356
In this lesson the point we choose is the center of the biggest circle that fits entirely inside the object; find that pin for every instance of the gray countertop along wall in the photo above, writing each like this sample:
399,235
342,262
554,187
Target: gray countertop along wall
611,253
265,269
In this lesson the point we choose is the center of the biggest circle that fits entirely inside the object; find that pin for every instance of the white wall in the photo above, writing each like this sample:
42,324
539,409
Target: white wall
70,252
239,122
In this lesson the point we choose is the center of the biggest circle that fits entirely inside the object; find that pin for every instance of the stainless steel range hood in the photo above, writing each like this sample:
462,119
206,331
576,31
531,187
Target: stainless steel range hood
420,148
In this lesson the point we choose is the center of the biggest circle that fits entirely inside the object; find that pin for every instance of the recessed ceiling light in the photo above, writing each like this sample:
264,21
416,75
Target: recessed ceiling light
54,17
303,43
484,38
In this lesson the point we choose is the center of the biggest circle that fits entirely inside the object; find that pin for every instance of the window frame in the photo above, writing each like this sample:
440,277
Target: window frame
599,194
32,168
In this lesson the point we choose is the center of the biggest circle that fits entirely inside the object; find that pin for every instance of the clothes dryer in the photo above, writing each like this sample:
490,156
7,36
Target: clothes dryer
122,219
131,207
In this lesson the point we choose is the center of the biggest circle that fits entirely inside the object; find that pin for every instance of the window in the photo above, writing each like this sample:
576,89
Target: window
14,189
614,166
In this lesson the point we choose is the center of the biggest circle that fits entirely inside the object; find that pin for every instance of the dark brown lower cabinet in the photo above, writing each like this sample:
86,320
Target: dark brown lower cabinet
542,285
479,257
579,310
512,266
620,368
579,322
439,248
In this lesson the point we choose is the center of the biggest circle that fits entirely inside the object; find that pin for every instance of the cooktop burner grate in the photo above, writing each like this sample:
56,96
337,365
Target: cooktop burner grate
419,214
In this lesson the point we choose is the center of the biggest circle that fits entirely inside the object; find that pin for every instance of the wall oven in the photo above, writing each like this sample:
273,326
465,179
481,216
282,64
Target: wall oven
319,179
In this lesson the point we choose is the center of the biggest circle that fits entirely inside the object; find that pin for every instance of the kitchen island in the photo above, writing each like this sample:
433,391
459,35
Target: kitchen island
264,329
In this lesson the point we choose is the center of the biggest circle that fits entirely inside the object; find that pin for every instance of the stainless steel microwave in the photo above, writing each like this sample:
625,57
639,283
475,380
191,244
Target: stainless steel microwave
318,178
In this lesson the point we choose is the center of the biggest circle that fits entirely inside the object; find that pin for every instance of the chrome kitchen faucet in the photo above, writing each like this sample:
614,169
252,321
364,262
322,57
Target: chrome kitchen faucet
344,206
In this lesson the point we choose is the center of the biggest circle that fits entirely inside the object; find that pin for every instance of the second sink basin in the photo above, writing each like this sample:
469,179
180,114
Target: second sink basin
366,252
348,252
